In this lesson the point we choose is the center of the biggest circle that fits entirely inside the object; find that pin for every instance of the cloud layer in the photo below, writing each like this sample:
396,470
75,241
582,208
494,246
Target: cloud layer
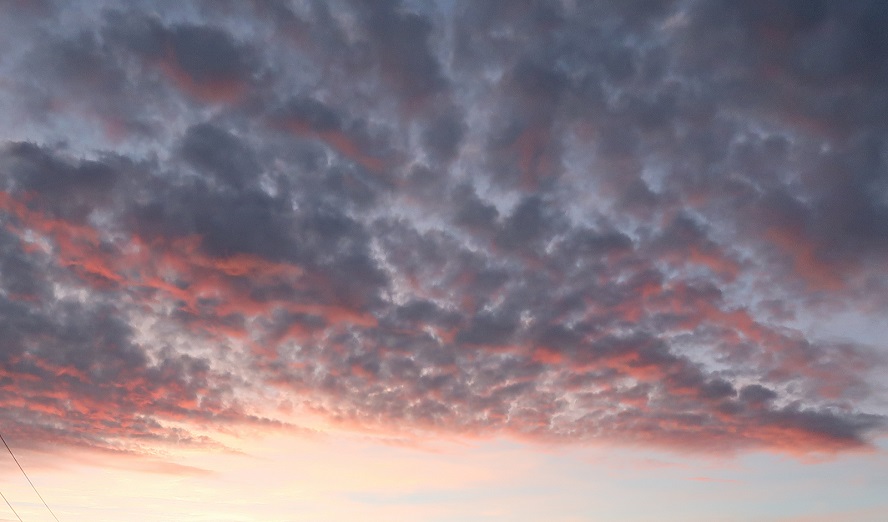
563,221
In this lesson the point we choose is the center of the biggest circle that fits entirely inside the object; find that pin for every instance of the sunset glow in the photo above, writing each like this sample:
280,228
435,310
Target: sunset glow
339,260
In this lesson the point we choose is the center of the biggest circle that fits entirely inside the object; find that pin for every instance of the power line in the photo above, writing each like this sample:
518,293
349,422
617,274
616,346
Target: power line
12,508
29,479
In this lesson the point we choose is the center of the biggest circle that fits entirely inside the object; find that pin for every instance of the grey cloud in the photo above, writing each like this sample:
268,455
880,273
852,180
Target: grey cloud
565,221
208,54
31,168
838,426
443,135
531,222
756,394
488,329
221,154
315,114
718,389
20,275
251,222
89,383
401,39
206,62
471,211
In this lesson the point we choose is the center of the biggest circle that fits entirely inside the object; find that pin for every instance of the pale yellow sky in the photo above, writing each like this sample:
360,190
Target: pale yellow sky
346,477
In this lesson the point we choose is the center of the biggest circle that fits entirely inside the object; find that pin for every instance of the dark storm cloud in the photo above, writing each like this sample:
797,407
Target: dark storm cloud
568,222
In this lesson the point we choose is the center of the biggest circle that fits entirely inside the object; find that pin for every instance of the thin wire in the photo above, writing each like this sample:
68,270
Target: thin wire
27,477
12,508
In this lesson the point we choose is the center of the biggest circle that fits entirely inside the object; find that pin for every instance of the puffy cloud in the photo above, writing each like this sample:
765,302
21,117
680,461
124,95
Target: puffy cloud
205,62
556,221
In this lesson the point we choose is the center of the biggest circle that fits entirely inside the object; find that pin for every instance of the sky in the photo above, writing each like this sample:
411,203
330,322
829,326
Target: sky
444,261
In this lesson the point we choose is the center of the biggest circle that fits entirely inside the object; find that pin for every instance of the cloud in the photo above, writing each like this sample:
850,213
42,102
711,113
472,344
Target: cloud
400,39
307,118
205,62
565,223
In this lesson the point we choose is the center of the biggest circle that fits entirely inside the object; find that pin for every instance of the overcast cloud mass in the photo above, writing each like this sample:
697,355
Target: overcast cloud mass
620,222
